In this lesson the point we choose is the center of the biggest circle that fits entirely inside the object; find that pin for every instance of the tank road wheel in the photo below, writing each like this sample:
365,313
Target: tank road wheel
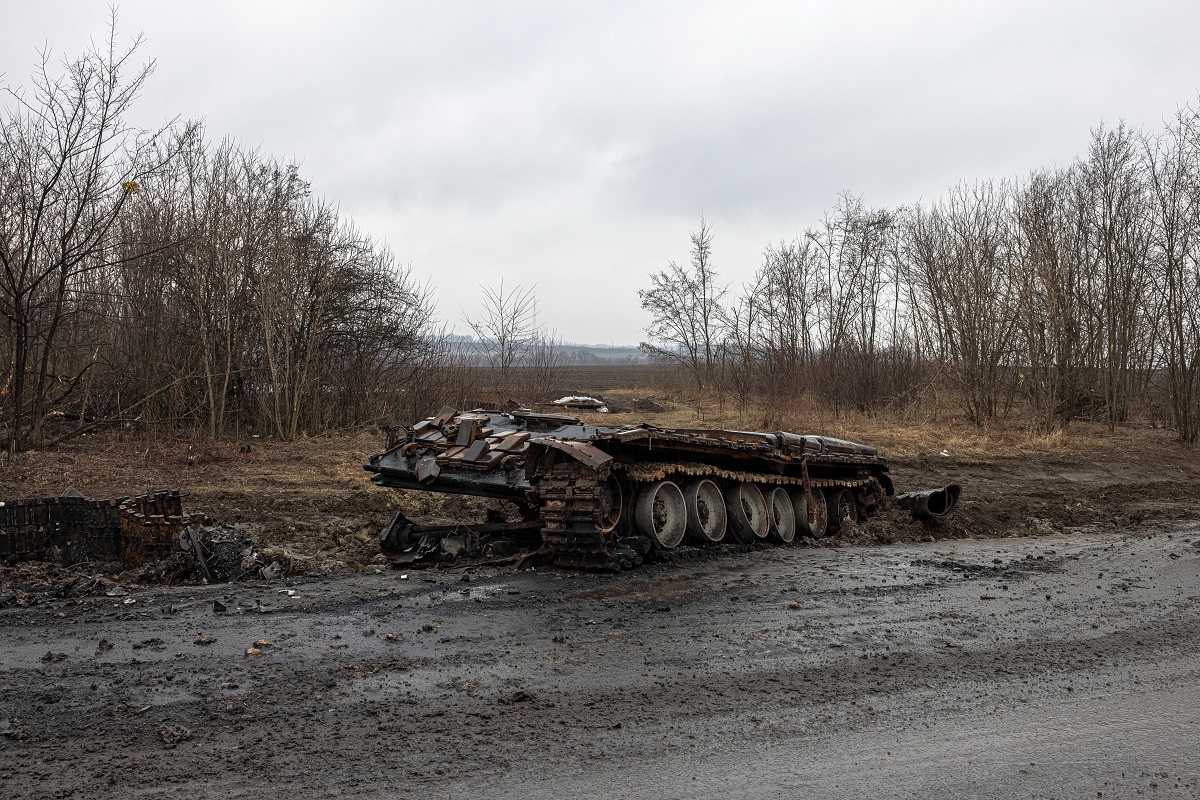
842,508
820,524
706,517
782,515
660,513
747,511
609,506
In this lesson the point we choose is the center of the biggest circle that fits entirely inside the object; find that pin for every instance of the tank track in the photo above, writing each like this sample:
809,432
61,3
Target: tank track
650,472
134,530
569,495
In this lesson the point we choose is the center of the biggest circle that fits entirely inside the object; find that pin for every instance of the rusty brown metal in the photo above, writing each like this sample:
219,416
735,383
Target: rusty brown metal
150,526
73,528
810,505
593,457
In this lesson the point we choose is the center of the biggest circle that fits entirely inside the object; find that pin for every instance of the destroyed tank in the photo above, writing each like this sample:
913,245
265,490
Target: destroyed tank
605,497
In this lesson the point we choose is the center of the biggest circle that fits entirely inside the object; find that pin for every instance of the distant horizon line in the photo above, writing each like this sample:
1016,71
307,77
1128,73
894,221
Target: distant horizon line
466,337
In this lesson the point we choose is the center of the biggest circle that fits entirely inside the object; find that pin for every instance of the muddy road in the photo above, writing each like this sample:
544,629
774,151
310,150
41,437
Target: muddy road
1016,667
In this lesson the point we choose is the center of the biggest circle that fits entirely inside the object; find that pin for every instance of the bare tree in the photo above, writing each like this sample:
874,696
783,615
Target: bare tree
685,309
69,166
1120,309
787,288
742,353
1173,159
545,361
1049,278
505,330
854,289
960,254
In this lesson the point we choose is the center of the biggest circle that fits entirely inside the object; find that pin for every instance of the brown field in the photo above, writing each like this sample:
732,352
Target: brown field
606,378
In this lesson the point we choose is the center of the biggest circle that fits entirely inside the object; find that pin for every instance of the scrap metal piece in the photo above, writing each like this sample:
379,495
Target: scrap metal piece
443,416
190,543
75,529
468,430
931,503
591,456
427,469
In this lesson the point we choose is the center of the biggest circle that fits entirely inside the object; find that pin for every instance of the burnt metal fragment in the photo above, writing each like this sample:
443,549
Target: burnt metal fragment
73,529
402,533
930,503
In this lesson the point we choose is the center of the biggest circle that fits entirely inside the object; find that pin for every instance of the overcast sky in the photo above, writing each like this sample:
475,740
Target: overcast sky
574,146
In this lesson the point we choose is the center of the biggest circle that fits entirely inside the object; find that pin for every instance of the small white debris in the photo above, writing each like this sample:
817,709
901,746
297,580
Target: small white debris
582,401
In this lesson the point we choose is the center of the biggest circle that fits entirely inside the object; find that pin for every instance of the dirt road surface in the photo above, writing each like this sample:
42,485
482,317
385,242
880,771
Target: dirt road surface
1050,666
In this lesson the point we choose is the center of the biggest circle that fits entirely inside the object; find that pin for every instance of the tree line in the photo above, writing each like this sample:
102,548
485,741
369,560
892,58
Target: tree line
161,276
158,275
1073,291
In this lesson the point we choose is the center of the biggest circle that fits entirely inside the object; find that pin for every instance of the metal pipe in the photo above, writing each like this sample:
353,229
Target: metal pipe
930,503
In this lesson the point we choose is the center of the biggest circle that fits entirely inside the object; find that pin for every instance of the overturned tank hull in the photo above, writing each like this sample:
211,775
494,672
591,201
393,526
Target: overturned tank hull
602,496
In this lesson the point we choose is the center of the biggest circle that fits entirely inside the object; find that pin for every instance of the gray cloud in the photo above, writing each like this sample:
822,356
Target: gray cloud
575,146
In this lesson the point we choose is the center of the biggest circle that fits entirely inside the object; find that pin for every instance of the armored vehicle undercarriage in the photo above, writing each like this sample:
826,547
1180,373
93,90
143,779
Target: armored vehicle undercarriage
602,497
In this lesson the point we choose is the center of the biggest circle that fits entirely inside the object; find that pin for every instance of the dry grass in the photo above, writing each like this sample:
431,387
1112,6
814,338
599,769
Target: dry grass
898,436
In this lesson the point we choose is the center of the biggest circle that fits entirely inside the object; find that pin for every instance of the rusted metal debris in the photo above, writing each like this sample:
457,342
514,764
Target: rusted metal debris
72,528
931,503
606,497
152,526
402,533
490,542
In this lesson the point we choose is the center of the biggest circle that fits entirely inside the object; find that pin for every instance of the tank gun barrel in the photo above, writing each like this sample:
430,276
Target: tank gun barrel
931,503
